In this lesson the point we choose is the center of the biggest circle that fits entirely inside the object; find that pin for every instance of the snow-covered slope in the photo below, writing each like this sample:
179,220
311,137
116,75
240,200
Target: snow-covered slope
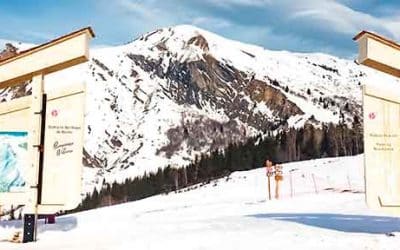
233,213
177,92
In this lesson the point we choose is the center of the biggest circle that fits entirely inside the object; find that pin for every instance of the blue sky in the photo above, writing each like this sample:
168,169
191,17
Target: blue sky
295,25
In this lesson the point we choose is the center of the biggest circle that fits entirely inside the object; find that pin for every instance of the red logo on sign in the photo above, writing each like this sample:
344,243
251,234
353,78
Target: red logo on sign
372,115
54,113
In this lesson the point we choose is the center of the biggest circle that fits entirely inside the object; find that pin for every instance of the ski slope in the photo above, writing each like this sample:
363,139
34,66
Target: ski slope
233,213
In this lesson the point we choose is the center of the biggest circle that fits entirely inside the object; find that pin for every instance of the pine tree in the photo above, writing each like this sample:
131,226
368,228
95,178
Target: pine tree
311,149
324,148
332,141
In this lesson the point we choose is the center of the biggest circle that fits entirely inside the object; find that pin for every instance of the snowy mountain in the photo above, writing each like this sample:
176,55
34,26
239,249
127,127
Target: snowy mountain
178,92
233,213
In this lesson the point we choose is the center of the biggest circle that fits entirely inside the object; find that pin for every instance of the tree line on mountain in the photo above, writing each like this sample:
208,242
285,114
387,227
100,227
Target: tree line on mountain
288,145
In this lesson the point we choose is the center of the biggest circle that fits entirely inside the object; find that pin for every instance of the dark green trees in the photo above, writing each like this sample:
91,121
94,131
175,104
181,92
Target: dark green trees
288,145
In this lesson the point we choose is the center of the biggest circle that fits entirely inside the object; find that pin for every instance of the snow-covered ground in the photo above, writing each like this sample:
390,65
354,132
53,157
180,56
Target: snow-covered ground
233,213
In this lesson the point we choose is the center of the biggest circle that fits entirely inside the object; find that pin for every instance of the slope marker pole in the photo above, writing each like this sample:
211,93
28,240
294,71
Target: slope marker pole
315,184
269,187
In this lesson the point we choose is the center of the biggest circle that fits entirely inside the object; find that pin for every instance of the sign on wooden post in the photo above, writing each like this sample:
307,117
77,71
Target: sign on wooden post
381,125
278,179
270,172
41,135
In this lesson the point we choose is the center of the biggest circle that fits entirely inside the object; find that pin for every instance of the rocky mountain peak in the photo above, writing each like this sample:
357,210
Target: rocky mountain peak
199,41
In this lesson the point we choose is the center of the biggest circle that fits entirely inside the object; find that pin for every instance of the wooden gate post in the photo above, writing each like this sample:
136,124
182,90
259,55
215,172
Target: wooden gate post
35,151
291,184
269,188
278,179
269,172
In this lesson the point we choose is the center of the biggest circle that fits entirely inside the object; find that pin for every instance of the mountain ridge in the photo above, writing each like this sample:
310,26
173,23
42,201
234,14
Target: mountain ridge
181,91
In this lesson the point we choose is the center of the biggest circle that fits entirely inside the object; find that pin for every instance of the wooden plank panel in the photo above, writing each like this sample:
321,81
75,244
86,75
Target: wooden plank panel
381,93
14,198
379,54
382,150
57,55
19,112
15,105
62,173
14,115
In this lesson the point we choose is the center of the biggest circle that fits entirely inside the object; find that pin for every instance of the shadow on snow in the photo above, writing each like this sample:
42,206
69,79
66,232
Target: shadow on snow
66,223
339,222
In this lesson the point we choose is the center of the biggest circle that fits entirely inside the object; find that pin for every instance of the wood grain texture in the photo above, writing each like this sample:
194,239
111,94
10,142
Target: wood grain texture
59,54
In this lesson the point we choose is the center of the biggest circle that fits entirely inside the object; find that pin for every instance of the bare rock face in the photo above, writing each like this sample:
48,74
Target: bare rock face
89,161
274,98
203,132
200,42
208,81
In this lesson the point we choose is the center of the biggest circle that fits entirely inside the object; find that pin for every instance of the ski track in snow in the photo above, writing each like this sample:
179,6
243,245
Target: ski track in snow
234,214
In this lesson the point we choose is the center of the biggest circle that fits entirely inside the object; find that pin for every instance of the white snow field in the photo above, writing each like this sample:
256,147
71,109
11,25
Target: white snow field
233,213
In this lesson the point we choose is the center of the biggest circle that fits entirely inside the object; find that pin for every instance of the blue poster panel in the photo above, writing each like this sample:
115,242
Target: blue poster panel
13,157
